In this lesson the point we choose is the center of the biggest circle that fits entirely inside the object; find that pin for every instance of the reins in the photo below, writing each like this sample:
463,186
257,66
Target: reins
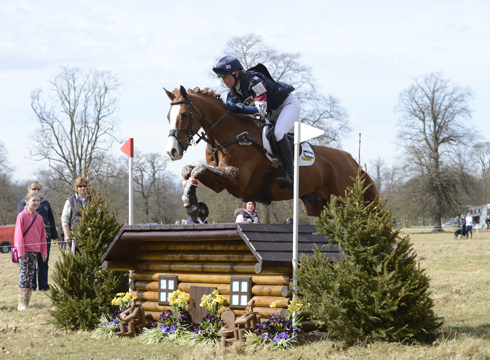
242,138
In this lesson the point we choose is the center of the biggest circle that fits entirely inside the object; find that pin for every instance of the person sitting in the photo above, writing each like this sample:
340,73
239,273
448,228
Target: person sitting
289,221
487,221
203,213
254,92
248,215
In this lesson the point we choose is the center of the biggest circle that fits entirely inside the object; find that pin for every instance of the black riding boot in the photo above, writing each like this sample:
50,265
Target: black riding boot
286,156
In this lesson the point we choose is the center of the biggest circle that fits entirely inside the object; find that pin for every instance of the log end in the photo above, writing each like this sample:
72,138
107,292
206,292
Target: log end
258,268
105,265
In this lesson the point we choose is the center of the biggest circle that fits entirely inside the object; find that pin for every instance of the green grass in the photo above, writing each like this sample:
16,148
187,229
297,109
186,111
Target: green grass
460,279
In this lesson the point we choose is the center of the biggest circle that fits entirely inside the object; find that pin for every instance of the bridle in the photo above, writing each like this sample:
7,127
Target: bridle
189,134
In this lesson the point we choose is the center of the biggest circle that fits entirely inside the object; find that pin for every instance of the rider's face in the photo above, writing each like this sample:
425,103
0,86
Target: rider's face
228,80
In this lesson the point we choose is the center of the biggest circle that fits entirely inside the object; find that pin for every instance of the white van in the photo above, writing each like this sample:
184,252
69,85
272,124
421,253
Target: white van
479,214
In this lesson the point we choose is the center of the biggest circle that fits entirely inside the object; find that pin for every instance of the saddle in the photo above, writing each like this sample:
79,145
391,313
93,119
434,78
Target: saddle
263,196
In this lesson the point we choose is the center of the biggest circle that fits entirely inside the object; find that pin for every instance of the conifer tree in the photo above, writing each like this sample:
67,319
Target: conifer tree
82,290
376,290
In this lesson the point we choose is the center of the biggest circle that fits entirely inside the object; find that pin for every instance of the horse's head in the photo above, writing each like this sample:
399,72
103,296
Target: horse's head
183,125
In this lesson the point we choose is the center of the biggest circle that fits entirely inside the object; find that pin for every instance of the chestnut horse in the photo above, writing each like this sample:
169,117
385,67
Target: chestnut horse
242,169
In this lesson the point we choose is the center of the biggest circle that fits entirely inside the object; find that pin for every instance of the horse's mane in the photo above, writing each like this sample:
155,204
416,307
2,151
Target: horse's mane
217,97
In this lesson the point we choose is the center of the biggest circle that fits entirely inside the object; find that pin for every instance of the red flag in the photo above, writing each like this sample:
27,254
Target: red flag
128,148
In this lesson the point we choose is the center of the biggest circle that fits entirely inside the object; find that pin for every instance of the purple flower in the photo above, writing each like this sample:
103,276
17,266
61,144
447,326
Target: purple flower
173,328
165,315
280,336
265,335
163,328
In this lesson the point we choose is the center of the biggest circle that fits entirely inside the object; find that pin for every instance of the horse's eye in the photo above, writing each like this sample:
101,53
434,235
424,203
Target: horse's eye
184,115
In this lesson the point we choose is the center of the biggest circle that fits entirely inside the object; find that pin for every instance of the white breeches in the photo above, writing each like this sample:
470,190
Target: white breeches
285,116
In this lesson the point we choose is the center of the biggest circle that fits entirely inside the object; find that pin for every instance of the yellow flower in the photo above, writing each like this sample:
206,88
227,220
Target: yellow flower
120,294
216,292
295,306
274,304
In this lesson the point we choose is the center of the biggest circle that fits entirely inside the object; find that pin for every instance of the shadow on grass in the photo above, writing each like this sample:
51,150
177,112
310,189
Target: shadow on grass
480,332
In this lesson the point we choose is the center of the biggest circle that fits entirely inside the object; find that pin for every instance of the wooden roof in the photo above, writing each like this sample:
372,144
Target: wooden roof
271,244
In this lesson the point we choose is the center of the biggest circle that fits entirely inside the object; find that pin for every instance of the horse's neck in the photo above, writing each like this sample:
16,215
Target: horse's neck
228,127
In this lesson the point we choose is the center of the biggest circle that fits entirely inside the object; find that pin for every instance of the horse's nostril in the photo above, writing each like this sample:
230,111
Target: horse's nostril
174,153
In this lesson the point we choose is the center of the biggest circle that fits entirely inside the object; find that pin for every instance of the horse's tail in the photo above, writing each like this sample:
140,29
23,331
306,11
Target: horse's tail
371,191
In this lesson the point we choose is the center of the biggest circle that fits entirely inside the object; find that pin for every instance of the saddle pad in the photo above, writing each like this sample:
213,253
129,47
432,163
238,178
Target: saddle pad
306,156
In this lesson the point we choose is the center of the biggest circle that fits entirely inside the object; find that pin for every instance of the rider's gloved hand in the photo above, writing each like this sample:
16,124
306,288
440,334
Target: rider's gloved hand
242,109
232,106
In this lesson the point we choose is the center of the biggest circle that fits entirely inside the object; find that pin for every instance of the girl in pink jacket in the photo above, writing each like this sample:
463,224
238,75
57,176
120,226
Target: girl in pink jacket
30,239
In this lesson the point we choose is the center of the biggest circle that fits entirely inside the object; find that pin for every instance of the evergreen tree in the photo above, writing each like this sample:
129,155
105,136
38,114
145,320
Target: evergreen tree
82,290
375,291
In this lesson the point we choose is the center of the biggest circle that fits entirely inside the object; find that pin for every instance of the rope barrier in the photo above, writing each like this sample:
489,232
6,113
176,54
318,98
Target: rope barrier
48,242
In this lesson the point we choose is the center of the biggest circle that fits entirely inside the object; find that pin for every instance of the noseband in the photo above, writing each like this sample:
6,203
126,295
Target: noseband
189,135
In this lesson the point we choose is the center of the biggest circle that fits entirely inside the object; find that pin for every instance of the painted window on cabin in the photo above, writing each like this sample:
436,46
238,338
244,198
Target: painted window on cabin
240,292
167,284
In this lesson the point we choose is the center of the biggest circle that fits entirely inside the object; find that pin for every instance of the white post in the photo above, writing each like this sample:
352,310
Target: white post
309,132
297,137
130,222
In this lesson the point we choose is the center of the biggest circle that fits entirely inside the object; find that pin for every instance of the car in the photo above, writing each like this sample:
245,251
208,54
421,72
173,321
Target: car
449,223
6,238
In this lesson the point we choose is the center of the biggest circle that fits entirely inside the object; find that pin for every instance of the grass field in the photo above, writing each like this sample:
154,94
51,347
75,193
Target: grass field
460,273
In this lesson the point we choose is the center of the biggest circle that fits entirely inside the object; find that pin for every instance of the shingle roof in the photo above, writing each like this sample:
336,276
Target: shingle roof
271,244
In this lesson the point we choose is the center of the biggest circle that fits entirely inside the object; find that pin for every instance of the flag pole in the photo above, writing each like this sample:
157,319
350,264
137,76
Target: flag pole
130,221
128,149
297,137
302,132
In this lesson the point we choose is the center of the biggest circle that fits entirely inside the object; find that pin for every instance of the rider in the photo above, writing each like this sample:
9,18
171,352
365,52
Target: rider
252,92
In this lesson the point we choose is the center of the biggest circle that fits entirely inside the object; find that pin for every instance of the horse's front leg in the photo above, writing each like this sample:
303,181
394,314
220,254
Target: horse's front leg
192,175
216,178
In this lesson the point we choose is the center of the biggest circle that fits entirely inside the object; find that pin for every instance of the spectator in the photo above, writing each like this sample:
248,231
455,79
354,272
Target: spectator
248,215
63,242
30,240
73,205
289,221
44,210
203,213
487,221
469,225
463,226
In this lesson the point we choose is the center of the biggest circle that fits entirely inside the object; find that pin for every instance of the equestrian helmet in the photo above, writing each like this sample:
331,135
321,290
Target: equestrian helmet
227,65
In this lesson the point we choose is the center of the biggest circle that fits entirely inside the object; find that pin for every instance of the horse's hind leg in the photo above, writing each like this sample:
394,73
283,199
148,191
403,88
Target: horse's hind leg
313,204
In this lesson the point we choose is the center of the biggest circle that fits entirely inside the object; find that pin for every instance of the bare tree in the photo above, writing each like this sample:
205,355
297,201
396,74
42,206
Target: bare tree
4,163
150,180
481,155
379,173
435,121
318,110
76,120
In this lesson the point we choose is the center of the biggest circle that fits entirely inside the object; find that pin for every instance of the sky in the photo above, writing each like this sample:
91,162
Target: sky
364,53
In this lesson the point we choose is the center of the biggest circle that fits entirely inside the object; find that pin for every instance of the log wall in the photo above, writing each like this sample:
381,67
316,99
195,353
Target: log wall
209,263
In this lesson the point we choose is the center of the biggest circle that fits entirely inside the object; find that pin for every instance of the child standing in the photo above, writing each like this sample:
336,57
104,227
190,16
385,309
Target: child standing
30,239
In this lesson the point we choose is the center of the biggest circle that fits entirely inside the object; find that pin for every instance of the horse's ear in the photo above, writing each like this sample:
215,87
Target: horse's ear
170,95
183,92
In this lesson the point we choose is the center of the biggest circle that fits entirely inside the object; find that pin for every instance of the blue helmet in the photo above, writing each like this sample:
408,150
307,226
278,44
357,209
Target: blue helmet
227,65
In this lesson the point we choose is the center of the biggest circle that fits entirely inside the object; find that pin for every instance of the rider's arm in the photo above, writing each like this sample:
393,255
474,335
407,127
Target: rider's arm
260,100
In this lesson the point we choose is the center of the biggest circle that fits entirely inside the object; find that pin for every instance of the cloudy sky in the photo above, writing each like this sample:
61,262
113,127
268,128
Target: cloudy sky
364,53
